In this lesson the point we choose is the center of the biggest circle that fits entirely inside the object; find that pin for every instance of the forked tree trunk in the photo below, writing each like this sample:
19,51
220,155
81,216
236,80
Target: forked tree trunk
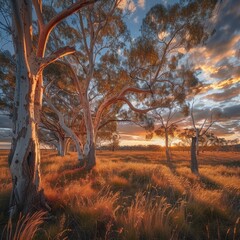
67,130
194,162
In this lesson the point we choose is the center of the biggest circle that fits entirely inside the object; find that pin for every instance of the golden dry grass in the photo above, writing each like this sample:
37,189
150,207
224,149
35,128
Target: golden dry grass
134,195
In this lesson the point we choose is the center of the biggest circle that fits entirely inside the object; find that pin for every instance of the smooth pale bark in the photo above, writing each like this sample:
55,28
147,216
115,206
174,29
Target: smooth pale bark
74,137
24,157
89,147
194,162
92,125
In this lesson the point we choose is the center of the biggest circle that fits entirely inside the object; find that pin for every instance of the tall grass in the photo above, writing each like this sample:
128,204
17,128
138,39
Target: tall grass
25,228
152,218
132,195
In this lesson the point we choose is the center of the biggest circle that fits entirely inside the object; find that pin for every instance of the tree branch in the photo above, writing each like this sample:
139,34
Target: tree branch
124,99
38,9
44,34
56,55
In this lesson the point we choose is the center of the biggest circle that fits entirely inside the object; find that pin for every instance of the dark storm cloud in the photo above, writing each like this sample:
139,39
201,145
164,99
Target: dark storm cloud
220,130
5,135
226,27
219,114
225,95
224,115
5,122
232,112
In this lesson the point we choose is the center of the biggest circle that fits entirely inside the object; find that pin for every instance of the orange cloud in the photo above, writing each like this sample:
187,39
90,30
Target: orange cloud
128,5
141,3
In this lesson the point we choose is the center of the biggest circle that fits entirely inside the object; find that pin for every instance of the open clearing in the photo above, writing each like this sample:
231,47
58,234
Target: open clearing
134,195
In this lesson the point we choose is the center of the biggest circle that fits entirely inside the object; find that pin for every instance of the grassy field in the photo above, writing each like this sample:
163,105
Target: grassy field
134,195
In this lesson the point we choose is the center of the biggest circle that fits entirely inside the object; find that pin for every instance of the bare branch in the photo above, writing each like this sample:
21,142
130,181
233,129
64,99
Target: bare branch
38,9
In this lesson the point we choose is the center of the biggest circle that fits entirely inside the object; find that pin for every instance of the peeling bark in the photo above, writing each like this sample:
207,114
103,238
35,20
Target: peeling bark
24,158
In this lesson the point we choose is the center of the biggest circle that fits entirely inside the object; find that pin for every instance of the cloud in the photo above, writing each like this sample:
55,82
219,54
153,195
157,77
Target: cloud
218,60
221,130
5,135
227,29
127,5
5,122
131,129
225,95
232,112
141,3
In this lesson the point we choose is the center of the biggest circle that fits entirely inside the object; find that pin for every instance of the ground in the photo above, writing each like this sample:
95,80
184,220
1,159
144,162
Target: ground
134,195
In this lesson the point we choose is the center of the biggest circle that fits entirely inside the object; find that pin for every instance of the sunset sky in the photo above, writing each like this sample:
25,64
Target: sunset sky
219,61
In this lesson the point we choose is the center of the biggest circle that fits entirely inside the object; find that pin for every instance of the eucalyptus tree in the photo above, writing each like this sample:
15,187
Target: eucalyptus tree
30,43
98,71
158,59
51,130
62,108
159,56
174,109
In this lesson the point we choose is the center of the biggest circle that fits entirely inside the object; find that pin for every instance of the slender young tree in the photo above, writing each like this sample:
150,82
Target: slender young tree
200,130
170,114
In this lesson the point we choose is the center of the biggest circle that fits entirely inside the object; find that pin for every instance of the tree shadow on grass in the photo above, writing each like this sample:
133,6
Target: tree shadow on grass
209,183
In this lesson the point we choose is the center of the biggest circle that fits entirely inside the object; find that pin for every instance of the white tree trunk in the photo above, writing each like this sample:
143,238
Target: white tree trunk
24,158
